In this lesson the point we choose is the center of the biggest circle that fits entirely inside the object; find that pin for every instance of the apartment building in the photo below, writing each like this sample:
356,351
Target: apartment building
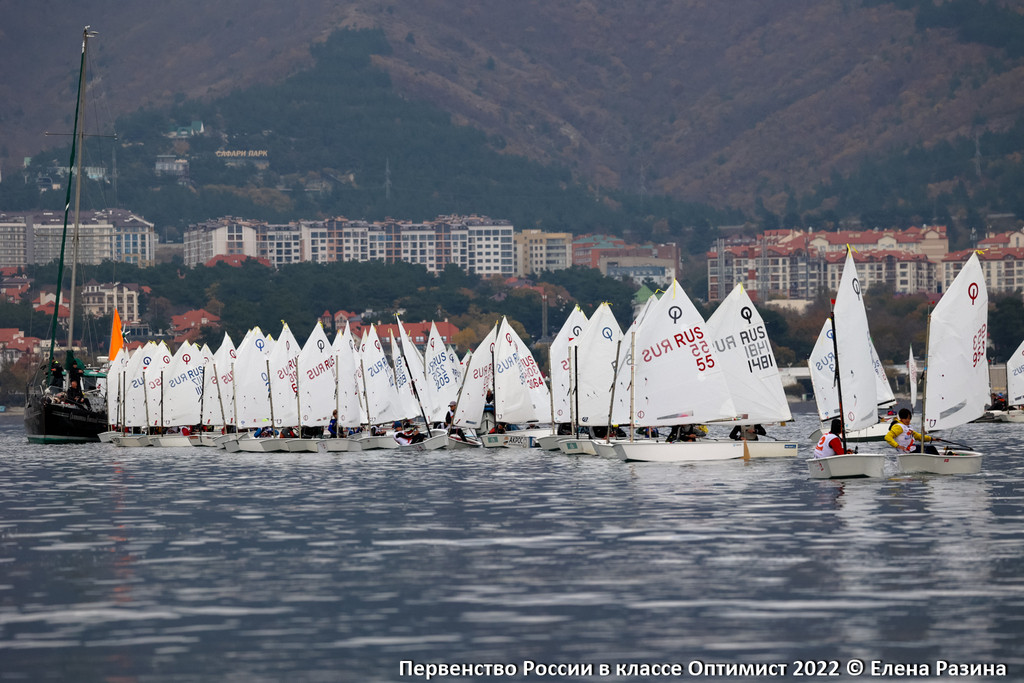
36,237
476,244
797,264
537,251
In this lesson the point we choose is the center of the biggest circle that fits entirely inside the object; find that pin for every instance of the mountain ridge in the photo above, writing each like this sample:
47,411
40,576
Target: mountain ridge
732,104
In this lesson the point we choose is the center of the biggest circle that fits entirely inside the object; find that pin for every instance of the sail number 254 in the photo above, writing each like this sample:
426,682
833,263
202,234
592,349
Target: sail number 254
980,344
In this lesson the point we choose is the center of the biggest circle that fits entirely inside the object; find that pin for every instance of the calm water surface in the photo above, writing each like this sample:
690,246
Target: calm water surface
201,565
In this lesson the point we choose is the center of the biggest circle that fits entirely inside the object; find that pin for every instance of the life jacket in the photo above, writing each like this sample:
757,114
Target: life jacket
824,448
905,438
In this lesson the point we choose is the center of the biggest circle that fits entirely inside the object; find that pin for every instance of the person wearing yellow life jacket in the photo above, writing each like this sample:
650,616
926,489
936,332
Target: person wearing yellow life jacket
901,437
830,444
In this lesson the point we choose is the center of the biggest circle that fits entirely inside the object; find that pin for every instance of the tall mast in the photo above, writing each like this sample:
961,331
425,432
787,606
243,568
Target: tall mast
76,163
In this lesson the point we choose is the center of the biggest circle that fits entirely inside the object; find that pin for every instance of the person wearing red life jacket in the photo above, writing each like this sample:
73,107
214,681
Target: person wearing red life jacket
830,443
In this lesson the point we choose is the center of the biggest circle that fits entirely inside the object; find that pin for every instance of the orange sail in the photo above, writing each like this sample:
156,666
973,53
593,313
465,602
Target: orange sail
116,339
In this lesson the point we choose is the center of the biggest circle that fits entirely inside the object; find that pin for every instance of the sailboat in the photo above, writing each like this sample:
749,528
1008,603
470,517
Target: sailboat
1015,386
675,378
520,394
593,357
741,340
823,370
854,381
51,413
559,375
956,387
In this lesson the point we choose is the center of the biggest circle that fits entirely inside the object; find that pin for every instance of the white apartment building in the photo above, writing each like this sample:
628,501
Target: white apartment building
100,299
476,244
109,235
228,236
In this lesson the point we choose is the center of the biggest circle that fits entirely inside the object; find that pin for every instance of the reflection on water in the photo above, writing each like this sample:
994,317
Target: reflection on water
195,564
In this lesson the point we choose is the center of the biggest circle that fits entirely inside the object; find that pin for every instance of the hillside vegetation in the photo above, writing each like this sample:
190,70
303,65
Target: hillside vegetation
804,112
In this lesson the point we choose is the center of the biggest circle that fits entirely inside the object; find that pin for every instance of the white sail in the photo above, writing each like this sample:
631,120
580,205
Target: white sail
477,382
883,389
383,404
154,375
559,364
956,388
741,341
441,381
183,387
284,365
349,398
822,364
622,390
1015,377
116,381
457,364
135,414
252,381
520,394
405,380
912,377
219,389
595,353
316,379
678,377
858,381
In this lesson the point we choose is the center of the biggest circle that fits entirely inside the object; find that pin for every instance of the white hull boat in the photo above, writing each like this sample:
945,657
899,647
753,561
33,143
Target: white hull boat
368,442
170,441
130,440
571,446
458,443
772,449
223,441
250,444
433,443
338,445
549,442
949,462
847,466
1005,415
679,451
519,438
204,439
108,437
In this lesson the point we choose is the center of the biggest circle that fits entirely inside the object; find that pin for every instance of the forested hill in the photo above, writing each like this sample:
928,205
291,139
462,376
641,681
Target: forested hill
804,111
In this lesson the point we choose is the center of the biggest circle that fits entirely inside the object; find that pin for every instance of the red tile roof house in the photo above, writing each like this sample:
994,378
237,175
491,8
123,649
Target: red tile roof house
14,345
187,326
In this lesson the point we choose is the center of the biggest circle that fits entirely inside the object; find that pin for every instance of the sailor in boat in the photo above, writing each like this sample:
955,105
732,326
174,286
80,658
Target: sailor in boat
689,432
747,432
901,437
410,434
56,374
830,444
449,422
75,396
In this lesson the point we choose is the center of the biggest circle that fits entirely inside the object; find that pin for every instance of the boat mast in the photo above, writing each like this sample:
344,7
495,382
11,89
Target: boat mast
839,385
924,382
75,166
